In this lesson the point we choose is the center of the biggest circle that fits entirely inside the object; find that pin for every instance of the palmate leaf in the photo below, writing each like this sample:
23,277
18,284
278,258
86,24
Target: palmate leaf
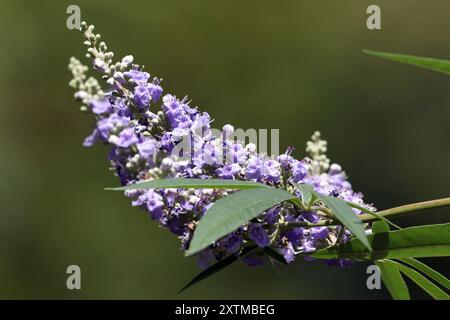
393,279
193,184
414,242
429,287
347,217
433,274
229,213
391,273
218,266
439,65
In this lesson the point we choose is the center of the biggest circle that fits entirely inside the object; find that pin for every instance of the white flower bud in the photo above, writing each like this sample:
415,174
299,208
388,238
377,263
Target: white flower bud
155,120
113,139
208,191
119,76
335,168
251,148
127,60
194,199
166,163
228,131
99,64
80,95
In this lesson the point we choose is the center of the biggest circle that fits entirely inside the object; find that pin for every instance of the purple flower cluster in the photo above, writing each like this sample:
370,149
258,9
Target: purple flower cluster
156,136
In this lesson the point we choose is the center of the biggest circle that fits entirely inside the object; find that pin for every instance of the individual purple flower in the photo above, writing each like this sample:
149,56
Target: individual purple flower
254,167
258,234
229,171
308,246
126,138
167,142
201,124
210,154
155,204
186,204
113,122
319,233
155,91
310,216
177,112
286,161
171,106
92,138
237,154
137,76
120,107
147,148
271,216
181,120
101,106
232,242
295,236
271,170
142,96
288,253
299,171
139,201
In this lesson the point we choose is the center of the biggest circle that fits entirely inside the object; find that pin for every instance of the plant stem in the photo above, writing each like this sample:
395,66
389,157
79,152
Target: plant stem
392,212
409,208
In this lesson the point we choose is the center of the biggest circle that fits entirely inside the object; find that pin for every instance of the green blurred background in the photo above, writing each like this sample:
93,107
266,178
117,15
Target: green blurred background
293,65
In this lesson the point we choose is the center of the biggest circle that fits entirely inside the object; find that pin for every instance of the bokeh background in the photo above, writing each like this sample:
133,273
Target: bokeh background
293,65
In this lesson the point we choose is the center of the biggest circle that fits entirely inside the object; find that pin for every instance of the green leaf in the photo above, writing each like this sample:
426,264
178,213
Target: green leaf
274,254
229,213
307,192
393,279
345,214
372,213
414,242
380,227
218,266
433,274
424,62
433,290
192,183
